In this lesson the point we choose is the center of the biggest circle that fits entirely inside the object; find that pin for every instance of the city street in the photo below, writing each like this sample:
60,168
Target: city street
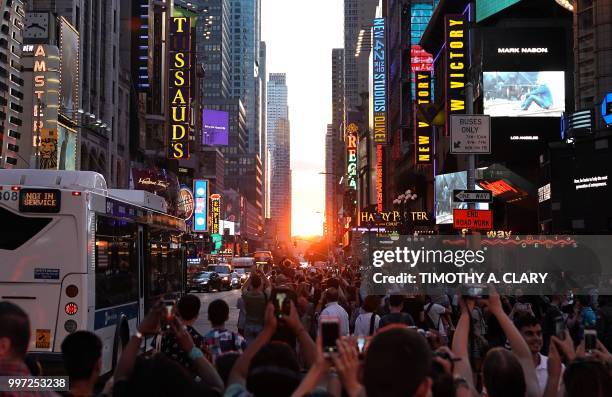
231,297
420,189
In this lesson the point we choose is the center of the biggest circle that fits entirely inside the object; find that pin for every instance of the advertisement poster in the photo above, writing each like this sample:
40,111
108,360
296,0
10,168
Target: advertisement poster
69,68
66,148
215,127
524,94
158,181
200,214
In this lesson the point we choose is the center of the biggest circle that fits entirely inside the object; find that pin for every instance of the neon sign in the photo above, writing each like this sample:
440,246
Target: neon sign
456,65
379,83
351,155
179,93
424,151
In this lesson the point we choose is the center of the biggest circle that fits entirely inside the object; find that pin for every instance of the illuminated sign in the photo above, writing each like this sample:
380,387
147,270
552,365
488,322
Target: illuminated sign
200,214
498,187
544,193
379,81
606,108
420,60
38,200
522,50
486,8
185,203
472,219
424,149
379,177
591,182
179,93
456,65
45,104
389,218
351,155
215,210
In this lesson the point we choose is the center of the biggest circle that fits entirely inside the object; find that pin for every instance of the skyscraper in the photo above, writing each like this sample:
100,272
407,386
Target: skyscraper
245,28
11,86
263,146
278,131
358,16
214,51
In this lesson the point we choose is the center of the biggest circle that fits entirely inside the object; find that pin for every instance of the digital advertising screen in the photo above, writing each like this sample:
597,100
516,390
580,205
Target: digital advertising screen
444,186
524,94
215,127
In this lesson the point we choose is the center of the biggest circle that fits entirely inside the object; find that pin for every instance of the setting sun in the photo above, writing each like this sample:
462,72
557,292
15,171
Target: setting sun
307,204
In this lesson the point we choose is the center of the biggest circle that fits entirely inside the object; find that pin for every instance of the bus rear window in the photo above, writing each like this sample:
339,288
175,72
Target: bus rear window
18,229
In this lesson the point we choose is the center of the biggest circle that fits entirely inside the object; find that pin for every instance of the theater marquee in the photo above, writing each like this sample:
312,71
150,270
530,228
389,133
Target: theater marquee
179,90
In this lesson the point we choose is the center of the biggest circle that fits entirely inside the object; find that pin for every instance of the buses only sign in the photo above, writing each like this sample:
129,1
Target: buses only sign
473,219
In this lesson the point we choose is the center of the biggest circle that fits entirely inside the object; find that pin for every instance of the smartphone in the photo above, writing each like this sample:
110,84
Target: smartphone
590,339
361,344
330,332
168,314
559,327
281,299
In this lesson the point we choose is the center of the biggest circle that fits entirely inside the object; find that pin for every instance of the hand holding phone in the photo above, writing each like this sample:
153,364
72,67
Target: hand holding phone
559,327
590,340
330,332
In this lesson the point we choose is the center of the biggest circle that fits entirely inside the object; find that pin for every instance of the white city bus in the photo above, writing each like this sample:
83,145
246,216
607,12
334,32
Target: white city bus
74,255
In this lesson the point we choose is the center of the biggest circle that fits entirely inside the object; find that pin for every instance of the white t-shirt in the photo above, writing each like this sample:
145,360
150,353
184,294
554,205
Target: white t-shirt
362,324
542,372
333,309
434,314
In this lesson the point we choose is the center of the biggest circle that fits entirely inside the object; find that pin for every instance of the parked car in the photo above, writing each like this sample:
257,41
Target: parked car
224,271
206,282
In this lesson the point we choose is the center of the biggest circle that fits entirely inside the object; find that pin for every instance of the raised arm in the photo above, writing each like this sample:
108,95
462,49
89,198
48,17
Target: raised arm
241,367
518,344
463,368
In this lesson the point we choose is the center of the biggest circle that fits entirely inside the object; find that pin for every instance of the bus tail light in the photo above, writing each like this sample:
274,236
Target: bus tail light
72,291
76,193
70,326
15,188
71,308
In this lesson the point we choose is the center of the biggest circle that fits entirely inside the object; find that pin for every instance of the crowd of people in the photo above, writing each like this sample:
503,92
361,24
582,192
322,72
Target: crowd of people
315,332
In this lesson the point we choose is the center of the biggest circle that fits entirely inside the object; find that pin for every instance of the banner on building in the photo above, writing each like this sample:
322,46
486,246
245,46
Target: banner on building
423,136
69,69
380,161
457,64
379,81
215,127
180,86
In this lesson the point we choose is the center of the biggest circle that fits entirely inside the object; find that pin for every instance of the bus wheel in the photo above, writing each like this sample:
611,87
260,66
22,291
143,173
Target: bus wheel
122,335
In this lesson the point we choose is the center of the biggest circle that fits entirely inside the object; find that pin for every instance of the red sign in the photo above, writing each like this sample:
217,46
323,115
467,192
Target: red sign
473,219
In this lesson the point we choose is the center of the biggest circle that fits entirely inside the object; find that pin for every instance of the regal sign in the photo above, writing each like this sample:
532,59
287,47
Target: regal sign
179,90
456,65
351,155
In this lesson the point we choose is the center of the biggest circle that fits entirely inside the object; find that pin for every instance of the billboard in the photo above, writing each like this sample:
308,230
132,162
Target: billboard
66,148
185,203
456,65
179,93
379,81
200,212
69,68
486,8
215,127
444,186
424,147
158,181
524,94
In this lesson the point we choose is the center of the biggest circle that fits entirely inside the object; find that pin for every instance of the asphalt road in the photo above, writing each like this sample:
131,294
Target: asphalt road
231,297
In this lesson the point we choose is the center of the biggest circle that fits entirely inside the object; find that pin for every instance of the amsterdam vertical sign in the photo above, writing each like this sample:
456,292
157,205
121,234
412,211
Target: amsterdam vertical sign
379,81
424,148
180,87
456,65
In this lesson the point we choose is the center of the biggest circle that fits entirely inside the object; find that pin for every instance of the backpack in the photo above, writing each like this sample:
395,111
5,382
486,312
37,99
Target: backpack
372,323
